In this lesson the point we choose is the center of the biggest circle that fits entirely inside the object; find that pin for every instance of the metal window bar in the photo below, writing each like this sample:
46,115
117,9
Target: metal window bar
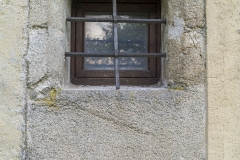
116,44
116,54
82,54
118,20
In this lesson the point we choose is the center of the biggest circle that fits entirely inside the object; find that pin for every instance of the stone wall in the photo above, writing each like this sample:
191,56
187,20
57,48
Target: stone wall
102,123
68,122
223,61
71,122
184,42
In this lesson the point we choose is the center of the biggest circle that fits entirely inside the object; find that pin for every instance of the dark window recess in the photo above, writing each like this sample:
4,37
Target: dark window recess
115,42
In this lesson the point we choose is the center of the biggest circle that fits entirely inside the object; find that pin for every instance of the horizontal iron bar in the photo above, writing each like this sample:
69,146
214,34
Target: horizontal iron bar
118,20
82,54
141,20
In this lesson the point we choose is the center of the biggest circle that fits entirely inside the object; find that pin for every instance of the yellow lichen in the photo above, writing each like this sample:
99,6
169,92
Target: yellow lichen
178,87
53,94
50,100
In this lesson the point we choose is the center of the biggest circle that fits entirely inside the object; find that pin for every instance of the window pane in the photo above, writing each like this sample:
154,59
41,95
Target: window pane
132,38
98,39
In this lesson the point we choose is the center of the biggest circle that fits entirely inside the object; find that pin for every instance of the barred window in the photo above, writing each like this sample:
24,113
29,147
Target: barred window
115,42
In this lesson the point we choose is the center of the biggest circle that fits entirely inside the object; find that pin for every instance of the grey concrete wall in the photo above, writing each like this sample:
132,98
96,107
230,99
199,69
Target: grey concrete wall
76,122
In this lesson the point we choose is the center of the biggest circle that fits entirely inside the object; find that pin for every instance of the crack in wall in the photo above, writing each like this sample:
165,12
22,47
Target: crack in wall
120,124
25,80
55,104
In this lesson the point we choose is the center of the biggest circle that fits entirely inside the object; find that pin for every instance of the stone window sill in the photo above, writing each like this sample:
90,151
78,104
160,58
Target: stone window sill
96,88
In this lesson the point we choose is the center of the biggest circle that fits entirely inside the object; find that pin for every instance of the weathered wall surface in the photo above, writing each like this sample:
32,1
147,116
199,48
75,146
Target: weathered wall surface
223,61
133,123
125,124
184,42
69,122
13,42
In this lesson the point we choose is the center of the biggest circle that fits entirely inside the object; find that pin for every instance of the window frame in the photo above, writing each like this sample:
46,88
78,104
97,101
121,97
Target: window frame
86,78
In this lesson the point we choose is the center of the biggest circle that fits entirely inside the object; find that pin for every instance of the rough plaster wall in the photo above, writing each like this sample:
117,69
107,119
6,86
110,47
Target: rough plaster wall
223,60
69,122
126,124
13,39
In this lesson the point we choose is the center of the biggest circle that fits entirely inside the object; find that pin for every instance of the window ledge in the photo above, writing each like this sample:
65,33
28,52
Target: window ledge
132,88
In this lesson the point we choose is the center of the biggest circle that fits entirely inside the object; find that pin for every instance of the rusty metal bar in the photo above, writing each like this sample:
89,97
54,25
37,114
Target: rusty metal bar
115,31
117,20
82,54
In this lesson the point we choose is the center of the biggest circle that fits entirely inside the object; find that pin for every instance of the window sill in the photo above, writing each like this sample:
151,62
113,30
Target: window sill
97,88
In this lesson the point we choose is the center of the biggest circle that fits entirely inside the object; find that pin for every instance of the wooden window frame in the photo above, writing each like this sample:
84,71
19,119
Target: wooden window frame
106,77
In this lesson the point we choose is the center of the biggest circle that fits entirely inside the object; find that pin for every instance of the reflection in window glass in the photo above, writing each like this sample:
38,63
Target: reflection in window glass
132,38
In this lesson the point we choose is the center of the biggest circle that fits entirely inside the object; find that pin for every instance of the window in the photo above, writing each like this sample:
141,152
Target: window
114,42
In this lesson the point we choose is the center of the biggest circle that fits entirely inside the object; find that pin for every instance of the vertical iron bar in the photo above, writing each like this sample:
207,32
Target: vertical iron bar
116,44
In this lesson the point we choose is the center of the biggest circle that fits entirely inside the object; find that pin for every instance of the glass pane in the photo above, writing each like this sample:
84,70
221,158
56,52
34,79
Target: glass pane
98,38
132,38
